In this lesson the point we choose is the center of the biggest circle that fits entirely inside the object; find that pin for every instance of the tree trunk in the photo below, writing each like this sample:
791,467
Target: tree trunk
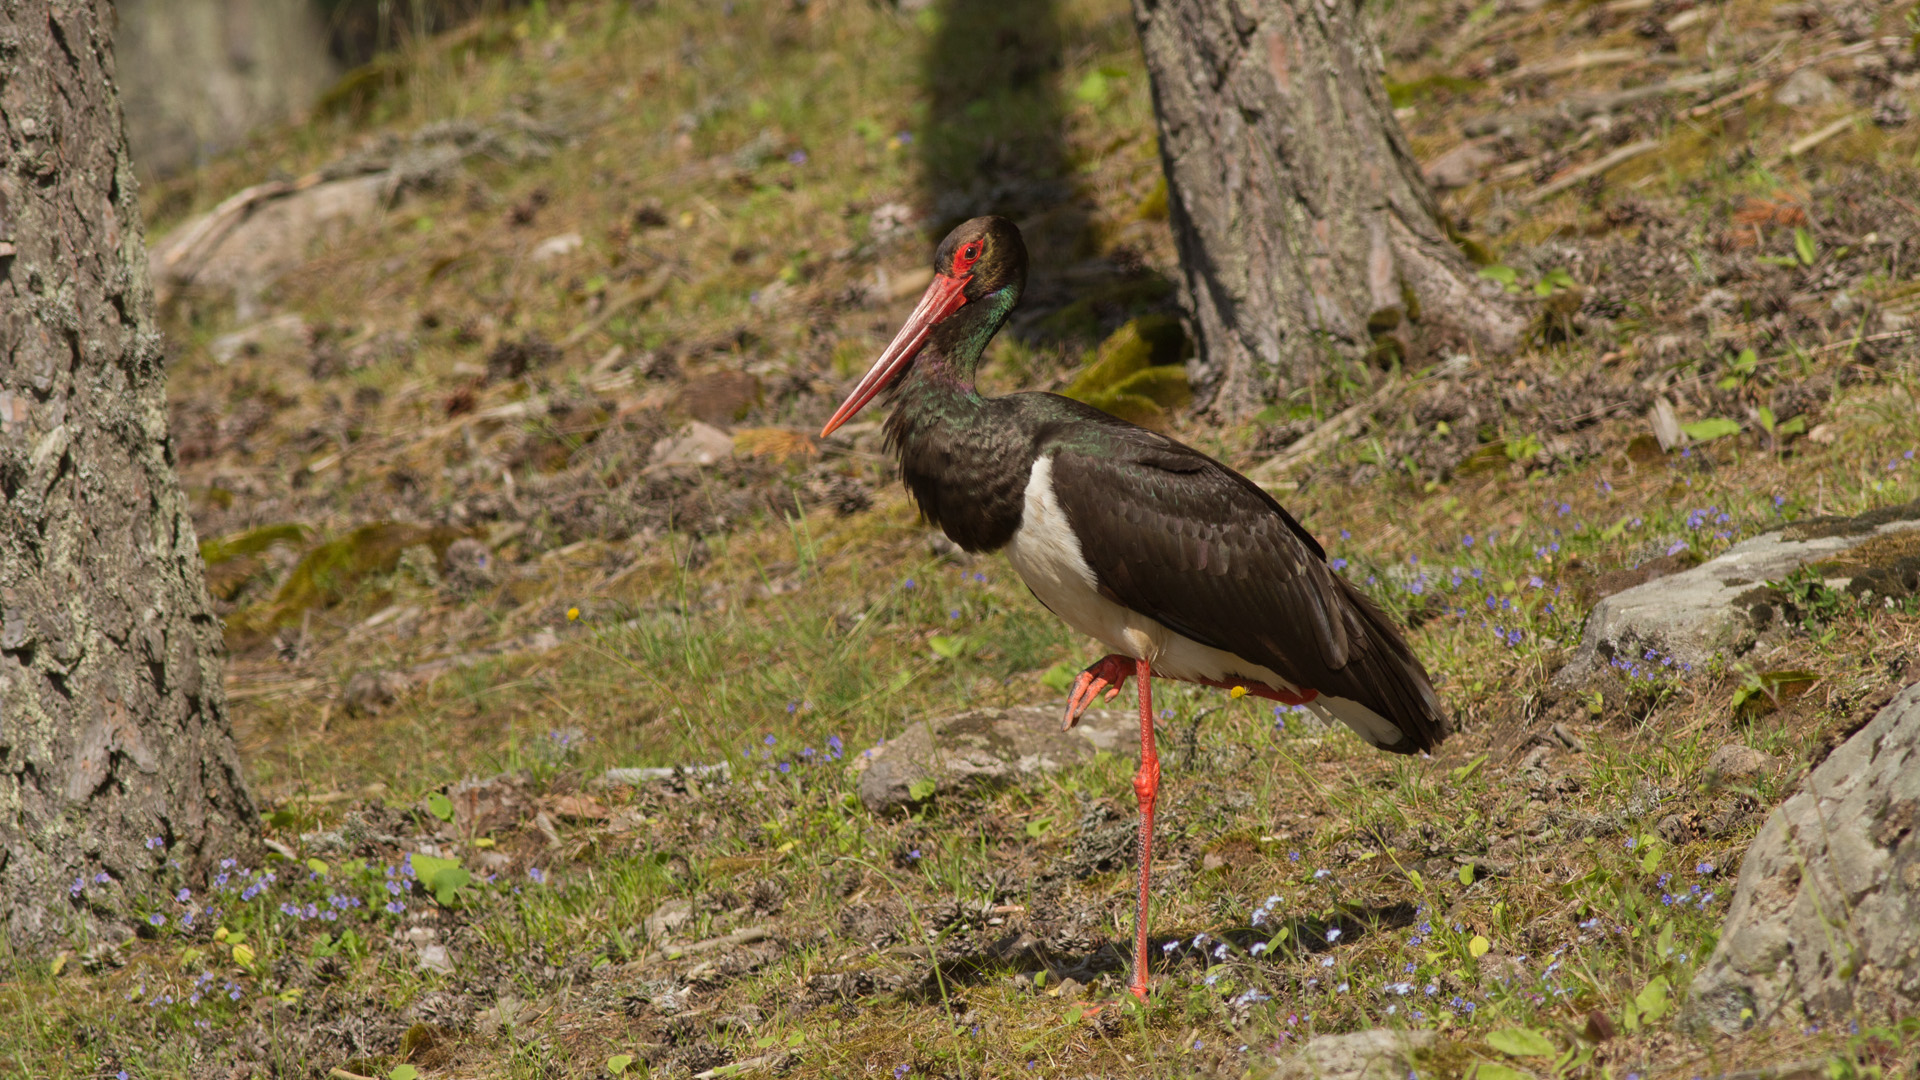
113,722
1305,230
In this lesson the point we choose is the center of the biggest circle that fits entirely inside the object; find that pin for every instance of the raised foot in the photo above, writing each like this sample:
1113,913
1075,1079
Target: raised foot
1109,673
1138,988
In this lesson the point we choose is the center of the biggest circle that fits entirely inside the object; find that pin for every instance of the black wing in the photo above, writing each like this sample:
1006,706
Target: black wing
1179,537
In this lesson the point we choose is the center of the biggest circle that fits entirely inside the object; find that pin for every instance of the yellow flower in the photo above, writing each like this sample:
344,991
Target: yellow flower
573,613
1237,692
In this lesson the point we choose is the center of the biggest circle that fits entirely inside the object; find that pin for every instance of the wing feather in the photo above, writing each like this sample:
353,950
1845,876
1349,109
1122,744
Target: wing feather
1181,538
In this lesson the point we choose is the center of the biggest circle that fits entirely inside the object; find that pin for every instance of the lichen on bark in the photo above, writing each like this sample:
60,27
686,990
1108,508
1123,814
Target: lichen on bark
113,722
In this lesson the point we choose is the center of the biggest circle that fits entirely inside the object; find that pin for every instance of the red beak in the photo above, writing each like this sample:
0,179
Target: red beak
941,299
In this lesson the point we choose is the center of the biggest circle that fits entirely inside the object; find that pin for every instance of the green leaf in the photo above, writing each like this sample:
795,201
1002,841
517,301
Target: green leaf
1559,279
947,648
404,1072
1466,874
1093,89
1746,362
318,866
1804,247
921,789
1663,946
1710,429
1654,999
1490,1070
1521,1042
1060,677
442,877
1767,422
1794,426
1038,827
1505,276
1522,448
440,806
618,1063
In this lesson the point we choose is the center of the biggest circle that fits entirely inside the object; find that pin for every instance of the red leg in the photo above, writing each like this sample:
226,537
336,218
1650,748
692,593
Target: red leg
1108,673
1146,786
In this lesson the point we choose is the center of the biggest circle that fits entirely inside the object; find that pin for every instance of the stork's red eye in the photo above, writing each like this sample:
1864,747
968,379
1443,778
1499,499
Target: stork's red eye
964,259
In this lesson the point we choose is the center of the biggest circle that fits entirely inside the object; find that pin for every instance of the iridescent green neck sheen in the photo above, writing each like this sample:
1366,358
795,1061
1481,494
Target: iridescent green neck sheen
953,351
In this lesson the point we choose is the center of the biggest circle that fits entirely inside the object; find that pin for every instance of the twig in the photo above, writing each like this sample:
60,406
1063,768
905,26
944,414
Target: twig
727,941
1801,146
1583,106
741,1067
646,293
1516,170
1761,84
337,1073
1619,157
1274,470
1887,335
1579,61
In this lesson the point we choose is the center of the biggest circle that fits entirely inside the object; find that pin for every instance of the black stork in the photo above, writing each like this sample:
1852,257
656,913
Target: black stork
1182,567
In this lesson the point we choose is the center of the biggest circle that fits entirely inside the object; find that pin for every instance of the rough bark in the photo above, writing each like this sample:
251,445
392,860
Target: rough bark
1305,231
113,722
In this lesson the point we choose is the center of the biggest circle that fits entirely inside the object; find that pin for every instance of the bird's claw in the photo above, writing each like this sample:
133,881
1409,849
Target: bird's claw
1108,675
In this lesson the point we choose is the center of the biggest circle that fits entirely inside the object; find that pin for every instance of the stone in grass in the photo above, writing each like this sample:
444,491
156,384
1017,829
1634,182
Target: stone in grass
1825,920
1376,1054
435,958
986,747
1736,763
1721,606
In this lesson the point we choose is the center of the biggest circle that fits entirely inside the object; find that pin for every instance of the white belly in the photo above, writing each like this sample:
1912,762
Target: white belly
1047,556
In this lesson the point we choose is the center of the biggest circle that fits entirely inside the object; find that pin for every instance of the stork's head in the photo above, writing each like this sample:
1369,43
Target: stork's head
978,271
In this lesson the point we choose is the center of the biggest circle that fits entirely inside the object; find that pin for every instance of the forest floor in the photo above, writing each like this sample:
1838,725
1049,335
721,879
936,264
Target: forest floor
470,558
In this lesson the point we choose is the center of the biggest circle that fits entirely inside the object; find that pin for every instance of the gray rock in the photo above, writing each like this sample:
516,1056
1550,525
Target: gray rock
1376,1054
1462,165
1737,762
697,443
1720,606
435,958
988,746
667,919
1806,88
1825,921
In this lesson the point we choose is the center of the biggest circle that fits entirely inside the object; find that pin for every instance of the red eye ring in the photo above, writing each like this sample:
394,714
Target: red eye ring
964,259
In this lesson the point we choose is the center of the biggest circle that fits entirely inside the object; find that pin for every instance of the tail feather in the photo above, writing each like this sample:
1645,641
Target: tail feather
1387,692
